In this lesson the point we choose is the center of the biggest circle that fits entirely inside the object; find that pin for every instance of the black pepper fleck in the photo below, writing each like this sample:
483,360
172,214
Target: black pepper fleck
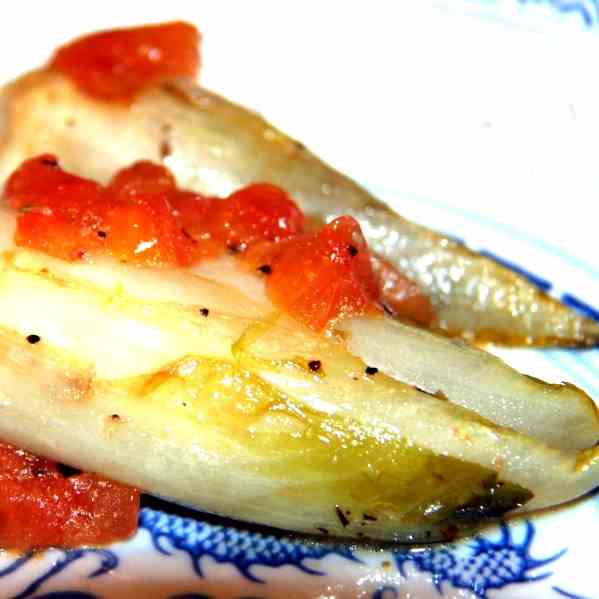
233,248
66,470
102,234
314,365
387,310
323,530
342,517
204,312
353,250
371,370
33,339
115,417
51,162
369,517
265,269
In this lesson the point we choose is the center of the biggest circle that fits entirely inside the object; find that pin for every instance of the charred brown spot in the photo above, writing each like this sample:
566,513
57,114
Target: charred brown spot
371,370
165,149
450,533
233,248
115,418
33,339
204,312
343,520
369,517
179,93
353,250
265,269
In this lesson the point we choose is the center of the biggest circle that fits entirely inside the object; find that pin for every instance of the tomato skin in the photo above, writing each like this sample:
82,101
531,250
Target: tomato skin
117,65
40,508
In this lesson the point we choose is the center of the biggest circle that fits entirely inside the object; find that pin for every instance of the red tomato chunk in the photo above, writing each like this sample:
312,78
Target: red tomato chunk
142,218
320,277
116,65
39,507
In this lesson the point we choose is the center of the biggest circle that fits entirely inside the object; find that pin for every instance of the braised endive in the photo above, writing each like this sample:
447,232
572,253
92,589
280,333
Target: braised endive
198,383
215,146
182,384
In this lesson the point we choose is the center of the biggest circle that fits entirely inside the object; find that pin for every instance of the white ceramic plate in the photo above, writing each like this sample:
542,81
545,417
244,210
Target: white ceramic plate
475,117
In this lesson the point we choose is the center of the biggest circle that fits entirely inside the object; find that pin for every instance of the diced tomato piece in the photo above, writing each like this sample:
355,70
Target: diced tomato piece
192,210
39,507
116,65
145,224
255,213
145,232
57,214
141,179
321,277
41,183
194,213
54,235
